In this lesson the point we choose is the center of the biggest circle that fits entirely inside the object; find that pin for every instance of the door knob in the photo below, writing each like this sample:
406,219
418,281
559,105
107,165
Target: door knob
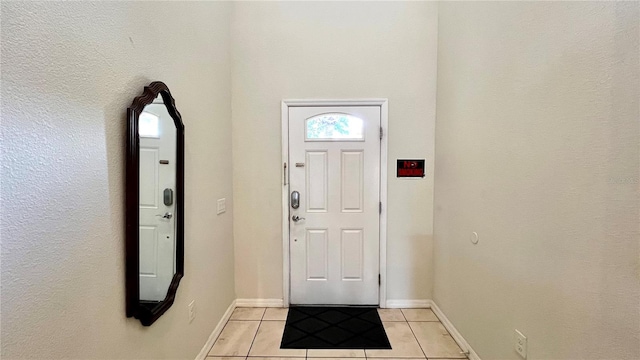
297,218
167,215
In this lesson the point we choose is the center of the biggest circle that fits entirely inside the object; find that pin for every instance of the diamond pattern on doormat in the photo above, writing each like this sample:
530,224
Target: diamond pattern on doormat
334,328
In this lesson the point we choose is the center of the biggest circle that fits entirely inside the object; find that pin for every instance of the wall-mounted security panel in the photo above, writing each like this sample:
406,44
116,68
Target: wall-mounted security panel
410,168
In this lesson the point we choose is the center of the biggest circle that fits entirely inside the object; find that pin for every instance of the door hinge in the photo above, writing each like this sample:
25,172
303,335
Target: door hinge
380,207
380,132
379,280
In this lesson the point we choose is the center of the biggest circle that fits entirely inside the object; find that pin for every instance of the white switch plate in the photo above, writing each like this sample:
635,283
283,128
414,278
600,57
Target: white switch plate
192,310
222,205
521,344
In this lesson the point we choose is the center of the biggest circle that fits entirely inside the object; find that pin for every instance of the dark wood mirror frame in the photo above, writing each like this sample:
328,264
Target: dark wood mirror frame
145,313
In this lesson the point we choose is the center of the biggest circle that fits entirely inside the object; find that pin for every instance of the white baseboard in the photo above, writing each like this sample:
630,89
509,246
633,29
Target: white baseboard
455,334
216,332
259,303
408,303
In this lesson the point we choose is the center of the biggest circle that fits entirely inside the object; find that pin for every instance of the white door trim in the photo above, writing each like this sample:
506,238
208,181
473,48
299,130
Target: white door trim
384,123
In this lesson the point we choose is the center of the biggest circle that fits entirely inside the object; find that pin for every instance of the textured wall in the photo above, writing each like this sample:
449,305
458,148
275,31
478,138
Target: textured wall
69,71
537,149
331,50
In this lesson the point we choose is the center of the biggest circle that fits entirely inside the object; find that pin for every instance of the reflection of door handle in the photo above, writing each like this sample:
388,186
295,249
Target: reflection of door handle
297,218
167,196
167,215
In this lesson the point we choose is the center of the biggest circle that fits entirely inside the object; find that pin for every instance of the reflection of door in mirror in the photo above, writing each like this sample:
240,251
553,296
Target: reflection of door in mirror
157,214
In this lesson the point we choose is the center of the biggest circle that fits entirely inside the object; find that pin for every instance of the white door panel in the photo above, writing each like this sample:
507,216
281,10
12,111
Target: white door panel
352,181
317,181
335,165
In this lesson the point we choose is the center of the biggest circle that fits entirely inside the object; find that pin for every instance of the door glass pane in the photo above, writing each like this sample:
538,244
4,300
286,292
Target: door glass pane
334,127
149,125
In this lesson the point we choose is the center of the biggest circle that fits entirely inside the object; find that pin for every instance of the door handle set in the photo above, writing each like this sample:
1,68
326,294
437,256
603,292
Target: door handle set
167,215
295,203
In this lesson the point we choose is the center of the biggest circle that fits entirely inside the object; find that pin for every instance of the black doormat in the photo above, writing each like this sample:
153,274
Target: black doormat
334,328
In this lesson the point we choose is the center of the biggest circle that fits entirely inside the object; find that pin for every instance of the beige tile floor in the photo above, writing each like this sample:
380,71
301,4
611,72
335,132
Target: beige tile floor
255,334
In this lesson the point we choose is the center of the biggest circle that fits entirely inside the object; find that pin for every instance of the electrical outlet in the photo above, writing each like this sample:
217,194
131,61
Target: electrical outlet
521,344
222,205
192,310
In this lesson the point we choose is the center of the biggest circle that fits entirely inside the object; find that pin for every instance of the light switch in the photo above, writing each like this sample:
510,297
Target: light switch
222,205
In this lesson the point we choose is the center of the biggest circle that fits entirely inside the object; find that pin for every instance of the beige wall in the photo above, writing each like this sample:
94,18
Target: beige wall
335,50
537,141
69,72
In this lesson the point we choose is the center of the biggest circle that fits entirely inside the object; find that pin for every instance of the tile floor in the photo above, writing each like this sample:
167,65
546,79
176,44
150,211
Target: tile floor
257,332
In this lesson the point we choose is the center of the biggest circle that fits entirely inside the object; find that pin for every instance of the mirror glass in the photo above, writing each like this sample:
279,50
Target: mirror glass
157,209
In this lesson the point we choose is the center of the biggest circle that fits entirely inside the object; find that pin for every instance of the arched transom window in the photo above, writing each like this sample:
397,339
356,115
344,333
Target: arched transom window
334,127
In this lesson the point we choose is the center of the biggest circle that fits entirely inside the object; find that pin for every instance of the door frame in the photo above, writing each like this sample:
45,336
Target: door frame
384,122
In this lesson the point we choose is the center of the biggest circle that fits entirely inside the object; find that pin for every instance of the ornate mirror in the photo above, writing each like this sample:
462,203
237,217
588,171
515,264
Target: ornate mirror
154,203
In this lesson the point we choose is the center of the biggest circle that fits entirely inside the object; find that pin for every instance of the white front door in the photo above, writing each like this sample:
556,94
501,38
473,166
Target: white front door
157,214
334,161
